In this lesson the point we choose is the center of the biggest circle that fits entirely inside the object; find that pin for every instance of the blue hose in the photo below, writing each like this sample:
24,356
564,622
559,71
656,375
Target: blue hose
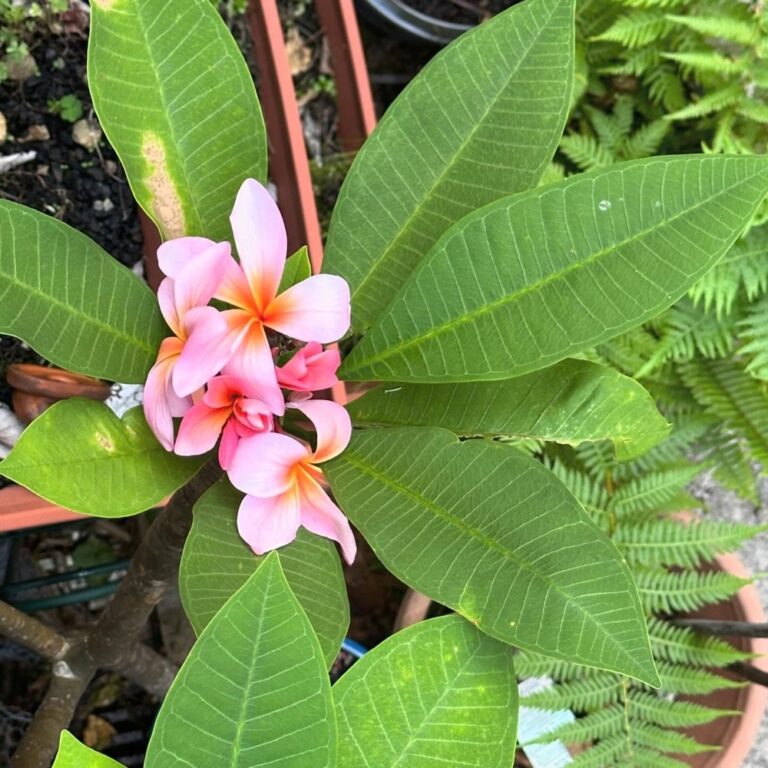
353,647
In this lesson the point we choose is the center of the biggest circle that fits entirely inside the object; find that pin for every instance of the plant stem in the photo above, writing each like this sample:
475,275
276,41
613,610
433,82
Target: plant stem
734,628
112,641
29,632
751,673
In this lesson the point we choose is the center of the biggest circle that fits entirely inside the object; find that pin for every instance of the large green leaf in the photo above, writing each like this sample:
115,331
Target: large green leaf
80,455
533,278
67,298
177,102
254,690
571,402
490,532
217,562
73,754
482,120
438,693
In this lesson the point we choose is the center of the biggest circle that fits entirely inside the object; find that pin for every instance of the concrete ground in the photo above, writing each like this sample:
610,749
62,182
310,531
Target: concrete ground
724,505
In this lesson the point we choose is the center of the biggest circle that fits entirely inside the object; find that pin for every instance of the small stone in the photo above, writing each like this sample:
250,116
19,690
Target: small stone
22,68
3,128
299,54
86,133
103,206
36,133
110,166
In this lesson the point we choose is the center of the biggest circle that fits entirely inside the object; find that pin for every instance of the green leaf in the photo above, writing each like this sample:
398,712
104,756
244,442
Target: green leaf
73,754
254,690
572,402
482,120
177,102
425,695
217,562
297,268
490,532
72,302
80,455
533,278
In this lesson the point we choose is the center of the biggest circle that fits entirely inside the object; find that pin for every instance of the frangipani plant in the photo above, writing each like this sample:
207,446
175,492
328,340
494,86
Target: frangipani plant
473,293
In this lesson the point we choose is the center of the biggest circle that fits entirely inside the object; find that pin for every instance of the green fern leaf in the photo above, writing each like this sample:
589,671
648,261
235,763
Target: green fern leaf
706,61
606,753
683,646
721,28
673,543
680,679
652,491
731,395
684,591
712,102
645,141
648,708
598,725
644,757
754,332
585,151
585,695
664,740
734,468
637,29
754,110
531,664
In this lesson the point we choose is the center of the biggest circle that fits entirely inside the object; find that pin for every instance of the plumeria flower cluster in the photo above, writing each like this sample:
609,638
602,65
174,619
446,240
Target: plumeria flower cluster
224,373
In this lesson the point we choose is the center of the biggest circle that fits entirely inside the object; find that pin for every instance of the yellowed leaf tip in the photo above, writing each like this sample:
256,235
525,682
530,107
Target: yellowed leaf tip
166,203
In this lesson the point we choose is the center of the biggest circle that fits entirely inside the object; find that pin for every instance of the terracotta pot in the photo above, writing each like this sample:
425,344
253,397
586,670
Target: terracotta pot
735,735
20,508
36,388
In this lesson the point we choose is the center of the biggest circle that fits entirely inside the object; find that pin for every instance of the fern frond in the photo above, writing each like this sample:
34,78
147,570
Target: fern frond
607,752
585,151
596,725
684,646
689,681
646,707
588,490
671,542
668,592
712,102
731,395
532,664
734,468
650,492
706,61
584,695
635,64
754,332
637,28
754,110
645,141
645,757
720,27
664,740
744,268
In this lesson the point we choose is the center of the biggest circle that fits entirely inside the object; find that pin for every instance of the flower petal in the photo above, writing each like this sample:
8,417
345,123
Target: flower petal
212,338
174,255
316,309
333,425
261,240
161,403
310,369
228,445
167,301
252,362
197,282
263,465
200,429
321,516
234,288
267,524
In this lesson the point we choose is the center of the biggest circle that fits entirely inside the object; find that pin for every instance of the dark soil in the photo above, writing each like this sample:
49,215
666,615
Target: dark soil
460,11
84,188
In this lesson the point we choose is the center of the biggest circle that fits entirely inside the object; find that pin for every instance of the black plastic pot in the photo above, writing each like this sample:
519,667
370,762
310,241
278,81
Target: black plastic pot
400,19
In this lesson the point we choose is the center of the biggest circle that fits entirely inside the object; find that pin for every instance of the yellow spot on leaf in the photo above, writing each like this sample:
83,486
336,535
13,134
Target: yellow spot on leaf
166,204
105,442
105,5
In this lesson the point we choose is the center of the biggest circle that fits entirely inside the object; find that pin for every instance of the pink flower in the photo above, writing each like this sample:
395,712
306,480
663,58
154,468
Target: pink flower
231,405
310,369
316,309
182,297
284,484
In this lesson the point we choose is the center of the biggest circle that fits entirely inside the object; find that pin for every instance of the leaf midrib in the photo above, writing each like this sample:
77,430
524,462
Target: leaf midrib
458,523
509,298
417,211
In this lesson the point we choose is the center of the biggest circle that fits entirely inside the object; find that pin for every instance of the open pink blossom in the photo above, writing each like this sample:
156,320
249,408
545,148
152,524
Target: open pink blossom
316,309
231,408
310,369
183,296
284,484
